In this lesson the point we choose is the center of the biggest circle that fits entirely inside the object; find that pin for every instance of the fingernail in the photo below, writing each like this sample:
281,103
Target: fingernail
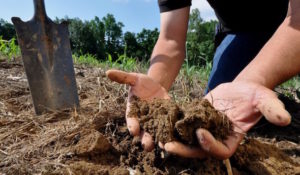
203,141
201,138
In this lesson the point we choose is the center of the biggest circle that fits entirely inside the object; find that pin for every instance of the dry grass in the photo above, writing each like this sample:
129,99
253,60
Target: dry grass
32,144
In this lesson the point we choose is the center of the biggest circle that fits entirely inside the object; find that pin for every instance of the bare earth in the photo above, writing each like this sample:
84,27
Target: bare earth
94,139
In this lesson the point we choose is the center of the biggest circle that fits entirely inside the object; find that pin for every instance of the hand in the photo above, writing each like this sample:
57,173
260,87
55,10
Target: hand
145,88
244,103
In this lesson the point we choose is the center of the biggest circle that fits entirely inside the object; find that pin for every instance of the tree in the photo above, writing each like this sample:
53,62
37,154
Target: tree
200,39
98,29
146,39
7,30
113,35
131,45
87,37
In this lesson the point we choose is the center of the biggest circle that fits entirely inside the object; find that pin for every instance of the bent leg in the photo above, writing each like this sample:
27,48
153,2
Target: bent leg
233,55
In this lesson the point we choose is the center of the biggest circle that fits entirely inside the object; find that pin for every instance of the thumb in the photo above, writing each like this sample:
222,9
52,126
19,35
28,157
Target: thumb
274,111
122,77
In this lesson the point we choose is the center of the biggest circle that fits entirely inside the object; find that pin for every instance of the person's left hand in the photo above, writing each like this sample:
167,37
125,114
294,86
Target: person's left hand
244,103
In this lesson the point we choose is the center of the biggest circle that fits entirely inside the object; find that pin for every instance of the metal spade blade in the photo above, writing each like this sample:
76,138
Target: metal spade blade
47,60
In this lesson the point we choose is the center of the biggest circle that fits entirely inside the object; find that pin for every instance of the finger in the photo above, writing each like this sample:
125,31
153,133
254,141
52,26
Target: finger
182,150
274,111
133,126
122,77
132,122
147,141
216,148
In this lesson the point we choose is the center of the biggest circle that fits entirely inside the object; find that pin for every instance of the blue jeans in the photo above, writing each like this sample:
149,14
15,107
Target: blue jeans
232,55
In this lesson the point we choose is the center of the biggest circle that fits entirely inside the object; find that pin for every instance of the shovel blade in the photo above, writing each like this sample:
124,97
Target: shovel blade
48,63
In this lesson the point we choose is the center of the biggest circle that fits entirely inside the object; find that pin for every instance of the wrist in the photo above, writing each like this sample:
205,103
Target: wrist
159,78
257,79
256,74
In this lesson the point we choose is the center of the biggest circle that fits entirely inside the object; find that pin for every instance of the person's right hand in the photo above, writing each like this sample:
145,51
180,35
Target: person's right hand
145,88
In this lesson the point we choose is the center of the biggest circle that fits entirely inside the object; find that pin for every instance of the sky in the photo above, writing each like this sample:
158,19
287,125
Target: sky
134,14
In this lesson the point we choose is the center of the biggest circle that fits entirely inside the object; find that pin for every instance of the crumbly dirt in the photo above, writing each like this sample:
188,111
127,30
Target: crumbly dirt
157,117
94,139
167,122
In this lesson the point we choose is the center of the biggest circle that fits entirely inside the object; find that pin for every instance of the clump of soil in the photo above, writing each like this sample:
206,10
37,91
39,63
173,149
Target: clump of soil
166,121
91,142
201,114
157,117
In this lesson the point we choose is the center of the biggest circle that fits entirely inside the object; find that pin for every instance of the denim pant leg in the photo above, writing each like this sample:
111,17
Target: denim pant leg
232,55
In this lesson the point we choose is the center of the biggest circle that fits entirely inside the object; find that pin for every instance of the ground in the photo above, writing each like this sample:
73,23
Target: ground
94,139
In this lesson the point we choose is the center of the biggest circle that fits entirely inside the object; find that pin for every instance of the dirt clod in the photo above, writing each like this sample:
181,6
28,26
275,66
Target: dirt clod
91,142
157,117
201,114
166,121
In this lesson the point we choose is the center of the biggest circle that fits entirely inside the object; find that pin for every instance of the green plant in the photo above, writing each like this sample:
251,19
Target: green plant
291,88
9,48
189,71
123,62
292,83
127,63
86,59
205,70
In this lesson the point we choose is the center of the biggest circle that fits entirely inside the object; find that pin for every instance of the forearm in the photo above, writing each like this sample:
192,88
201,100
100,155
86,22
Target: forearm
166,61
279,59
169,51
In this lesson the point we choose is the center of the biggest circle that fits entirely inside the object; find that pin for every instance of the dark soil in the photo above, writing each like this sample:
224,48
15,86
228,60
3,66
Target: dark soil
166,121
94,139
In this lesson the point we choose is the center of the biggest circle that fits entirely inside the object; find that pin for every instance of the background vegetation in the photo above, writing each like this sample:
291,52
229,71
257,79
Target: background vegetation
102,42
105,39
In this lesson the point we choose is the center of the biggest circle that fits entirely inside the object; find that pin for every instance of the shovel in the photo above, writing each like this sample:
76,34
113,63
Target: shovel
47,60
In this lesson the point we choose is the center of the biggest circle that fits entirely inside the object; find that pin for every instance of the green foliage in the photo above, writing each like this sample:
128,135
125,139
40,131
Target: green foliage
101,41
9,48
293,82
146,39
8,45
131,46
86,59
291,87
7,30
200,39
104,38
123,63
192,72
140,45
113,35
86,37
205,71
